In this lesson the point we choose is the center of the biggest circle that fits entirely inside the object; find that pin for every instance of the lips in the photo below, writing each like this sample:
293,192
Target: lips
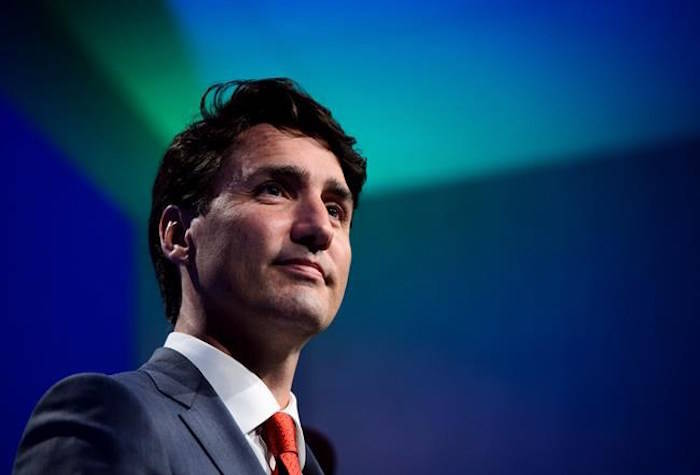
304,265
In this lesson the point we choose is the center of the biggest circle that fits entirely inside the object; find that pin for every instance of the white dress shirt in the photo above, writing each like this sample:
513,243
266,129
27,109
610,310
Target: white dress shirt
244,394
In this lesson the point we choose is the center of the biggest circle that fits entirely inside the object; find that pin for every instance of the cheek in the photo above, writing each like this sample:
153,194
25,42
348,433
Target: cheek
214,257
219,245
257,241
343,260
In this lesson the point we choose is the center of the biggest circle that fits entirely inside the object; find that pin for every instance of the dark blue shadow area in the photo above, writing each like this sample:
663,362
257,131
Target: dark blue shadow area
544,322
67,295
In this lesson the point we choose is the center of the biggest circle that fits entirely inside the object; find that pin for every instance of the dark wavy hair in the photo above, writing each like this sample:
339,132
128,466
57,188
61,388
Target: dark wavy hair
187,174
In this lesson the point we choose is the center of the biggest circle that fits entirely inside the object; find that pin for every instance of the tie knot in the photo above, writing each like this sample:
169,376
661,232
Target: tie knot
280,434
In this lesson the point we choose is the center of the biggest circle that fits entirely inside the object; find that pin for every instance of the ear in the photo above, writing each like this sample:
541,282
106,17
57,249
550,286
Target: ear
172,230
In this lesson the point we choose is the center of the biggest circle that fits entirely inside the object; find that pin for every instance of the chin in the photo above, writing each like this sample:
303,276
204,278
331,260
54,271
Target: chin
304,313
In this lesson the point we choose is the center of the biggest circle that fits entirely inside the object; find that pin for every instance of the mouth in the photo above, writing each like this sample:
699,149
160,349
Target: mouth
303,267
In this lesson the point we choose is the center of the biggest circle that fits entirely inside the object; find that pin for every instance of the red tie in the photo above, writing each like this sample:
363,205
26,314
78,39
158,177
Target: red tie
280,435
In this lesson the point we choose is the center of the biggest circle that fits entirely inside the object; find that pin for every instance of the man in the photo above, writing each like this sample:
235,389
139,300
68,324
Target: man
250,239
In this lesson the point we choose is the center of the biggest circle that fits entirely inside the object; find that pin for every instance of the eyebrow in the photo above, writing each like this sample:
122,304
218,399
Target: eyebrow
297,176
285,172
339,190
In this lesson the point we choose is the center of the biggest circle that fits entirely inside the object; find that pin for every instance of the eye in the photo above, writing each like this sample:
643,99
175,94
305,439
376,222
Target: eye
336,211
270,188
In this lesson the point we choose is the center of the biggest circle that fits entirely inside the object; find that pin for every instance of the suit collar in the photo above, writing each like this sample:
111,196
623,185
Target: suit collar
220,437
203,413
244,394
174,376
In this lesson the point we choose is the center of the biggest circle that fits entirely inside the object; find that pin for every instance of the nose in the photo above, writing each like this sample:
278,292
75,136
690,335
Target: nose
312,226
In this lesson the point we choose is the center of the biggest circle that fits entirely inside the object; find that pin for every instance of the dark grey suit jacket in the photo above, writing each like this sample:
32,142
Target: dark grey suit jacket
162,418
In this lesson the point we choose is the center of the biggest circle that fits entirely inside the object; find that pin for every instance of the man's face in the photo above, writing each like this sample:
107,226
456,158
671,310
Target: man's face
273,251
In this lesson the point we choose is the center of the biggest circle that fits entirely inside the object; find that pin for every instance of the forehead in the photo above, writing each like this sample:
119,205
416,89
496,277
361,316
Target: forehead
264,145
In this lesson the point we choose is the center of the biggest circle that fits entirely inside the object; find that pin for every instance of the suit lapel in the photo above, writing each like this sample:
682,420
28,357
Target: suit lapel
311,466
220,437
204,414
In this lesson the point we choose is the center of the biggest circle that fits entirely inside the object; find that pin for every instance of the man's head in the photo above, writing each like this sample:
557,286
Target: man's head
254,202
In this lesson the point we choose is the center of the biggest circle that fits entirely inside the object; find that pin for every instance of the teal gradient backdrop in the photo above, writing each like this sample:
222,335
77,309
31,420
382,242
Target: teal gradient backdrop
524,292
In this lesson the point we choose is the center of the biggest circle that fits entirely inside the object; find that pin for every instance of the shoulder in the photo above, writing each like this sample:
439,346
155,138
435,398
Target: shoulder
87,423
87,396
88,388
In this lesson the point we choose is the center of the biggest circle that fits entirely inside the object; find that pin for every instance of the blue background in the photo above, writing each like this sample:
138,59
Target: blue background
524,295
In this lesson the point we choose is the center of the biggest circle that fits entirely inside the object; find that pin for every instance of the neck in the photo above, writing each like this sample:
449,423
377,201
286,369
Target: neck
274,366
271,356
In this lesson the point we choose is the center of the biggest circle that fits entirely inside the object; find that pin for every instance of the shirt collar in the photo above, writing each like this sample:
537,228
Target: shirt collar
244,394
